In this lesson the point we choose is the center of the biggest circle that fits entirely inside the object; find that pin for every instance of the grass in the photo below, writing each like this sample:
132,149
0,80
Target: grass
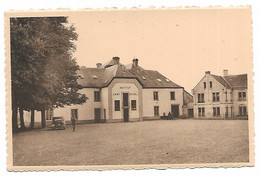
147,142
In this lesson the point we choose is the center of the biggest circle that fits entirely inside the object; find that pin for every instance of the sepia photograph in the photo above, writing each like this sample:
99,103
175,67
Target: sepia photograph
137,88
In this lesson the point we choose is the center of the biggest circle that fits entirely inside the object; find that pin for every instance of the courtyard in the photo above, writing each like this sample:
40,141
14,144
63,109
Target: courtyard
146,142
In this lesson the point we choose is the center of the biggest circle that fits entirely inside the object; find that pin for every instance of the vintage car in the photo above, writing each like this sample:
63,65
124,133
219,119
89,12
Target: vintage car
58,123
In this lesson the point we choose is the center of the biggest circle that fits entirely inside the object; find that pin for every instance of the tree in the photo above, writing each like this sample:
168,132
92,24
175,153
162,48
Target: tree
44,74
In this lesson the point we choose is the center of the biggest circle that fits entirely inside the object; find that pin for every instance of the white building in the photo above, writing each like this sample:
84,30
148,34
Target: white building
220,96
118,93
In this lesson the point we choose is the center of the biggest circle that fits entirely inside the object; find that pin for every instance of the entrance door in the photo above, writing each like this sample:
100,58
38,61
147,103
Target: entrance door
175,110
226,114
97,115
190,112
126,107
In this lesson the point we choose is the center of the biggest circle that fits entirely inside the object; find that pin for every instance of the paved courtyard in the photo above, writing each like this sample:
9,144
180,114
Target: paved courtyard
147,142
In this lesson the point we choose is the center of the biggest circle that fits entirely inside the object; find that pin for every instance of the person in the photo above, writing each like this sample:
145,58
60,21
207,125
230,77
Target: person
73,121
169,116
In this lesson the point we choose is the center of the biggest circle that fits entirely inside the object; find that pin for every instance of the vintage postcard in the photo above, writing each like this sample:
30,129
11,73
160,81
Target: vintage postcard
129,89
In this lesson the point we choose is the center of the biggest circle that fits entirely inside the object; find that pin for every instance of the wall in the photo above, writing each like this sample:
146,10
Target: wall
117,94
115,90
85,111
164,101
238,103
208,98
27,117
104,102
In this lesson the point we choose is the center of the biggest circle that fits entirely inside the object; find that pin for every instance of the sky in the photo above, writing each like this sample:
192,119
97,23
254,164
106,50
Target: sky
179,43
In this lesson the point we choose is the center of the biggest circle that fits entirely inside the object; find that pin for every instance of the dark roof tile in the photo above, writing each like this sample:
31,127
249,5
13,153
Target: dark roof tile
147,78
221,80
237,81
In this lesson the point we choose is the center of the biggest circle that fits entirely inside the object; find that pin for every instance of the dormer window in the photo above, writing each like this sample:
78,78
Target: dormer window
80,76
94,76
143,78
159,80
167,80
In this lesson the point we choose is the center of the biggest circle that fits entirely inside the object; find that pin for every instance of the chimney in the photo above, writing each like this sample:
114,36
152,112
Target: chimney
135,62
207,72
225,72
116,60
99,65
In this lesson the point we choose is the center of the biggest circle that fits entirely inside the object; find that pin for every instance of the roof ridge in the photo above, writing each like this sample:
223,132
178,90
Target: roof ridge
236,75
223,79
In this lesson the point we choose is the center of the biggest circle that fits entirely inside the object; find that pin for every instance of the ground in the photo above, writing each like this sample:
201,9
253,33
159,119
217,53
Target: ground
147,142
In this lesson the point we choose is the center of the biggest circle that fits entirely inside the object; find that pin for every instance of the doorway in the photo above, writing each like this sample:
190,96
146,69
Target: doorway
126,107
190,112
175,110
97,115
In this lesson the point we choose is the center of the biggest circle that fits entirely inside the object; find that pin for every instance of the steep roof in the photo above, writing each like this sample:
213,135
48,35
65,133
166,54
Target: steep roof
221,80
101,77
237,81
91,77
230,81
152,78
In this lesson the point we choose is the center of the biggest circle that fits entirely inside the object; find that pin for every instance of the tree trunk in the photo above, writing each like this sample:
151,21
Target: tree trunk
32,119
21,118
14,119
43,118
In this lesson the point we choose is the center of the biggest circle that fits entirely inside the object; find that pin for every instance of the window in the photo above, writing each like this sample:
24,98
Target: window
159,80
210,84
216,111
205,85
172,94
242,111
241,96
201,98
155,95
117,105
201,112
96,96
215,96
156,110
244,96
133,105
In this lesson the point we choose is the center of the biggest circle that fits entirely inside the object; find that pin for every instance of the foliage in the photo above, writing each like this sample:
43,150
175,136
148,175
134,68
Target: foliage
43,71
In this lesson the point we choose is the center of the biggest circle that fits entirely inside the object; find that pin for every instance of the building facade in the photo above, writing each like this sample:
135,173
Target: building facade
220,96
122,93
